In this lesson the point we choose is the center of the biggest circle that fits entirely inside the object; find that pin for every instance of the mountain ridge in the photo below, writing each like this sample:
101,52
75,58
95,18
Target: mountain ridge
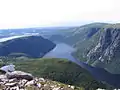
33,46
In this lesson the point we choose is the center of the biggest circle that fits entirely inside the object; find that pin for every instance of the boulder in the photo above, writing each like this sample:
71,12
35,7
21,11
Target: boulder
8,68
19,75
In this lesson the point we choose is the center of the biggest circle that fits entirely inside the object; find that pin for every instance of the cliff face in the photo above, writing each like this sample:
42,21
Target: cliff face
106,53
32,46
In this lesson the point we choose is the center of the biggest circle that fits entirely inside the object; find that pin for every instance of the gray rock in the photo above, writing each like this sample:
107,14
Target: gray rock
3,78
13,80
19,75
29,83
8,68
14,88
11,84
41,80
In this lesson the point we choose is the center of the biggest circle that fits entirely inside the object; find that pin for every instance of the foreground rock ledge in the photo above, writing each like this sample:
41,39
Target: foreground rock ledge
18,80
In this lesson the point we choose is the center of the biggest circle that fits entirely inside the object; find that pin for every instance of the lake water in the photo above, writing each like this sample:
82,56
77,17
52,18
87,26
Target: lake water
64,51
61,51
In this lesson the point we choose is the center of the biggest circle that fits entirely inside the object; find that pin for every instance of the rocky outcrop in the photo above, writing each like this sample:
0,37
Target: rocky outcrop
106,54
30,46
19,75
20,82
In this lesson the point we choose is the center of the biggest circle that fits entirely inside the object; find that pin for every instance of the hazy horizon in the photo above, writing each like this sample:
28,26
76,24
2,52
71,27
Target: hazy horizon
58,26
52,13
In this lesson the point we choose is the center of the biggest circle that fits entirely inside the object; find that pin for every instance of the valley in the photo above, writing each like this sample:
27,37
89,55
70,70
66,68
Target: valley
93,47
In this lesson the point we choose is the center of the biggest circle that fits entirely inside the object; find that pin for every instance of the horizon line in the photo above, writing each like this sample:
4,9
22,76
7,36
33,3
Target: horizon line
56,26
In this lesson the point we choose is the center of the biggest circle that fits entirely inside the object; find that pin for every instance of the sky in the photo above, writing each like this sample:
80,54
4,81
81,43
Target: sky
42,13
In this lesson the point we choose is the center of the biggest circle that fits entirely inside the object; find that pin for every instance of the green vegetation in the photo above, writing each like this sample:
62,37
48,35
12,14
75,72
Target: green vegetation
60,70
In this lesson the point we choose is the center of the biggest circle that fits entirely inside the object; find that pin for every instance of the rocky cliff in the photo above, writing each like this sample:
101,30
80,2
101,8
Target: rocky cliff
106,53
31,46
